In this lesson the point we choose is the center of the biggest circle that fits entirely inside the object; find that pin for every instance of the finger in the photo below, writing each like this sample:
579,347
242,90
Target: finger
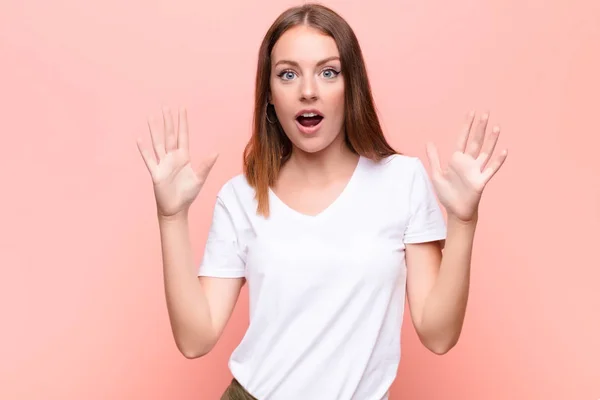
494,166
477,138
157,138
464,136
489,145
183,137
434,159
148,159
206,167
170,135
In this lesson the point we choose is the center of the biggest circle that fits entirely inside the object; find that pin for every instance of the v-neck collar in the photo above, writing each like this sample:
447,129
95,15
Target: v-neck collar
336,203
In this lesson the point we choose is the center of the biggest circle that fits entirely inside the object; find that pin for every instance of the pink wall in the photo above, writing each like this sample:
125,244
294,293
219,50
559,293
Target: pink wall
82,301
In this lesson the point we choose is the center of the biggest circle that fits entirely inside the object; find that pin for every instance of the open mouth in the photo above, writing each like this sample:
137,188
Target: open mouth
309,120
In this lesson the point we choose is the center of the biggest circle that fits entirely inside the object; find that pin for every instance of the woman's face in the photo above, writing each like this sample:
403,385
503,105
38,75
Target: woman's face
307,88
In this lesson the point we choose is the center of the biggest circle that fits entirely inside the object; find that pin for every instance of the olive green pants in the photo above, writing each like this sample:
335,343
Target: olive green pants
235,391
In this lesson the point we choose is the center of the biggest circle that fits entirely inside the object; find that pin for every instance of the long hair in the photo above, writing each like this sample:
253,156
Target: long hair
269,148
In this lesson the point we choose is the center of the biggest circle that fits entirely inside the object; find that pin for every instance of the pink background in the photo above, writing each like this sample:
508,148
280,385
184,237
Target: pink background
82,302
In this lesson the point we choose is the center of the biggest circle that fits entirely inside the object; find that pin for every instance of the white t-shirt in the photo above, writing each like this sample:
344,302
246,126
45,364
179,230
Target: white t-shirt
326,292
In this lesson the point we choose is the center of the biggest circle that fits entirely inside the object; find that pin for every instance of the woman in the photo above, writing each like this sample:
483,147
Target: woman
329,226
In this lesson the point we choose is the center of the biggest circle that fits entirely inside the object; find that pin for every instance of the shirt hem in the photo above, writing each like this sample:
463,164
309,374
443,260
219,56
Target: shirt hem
217,273
426,237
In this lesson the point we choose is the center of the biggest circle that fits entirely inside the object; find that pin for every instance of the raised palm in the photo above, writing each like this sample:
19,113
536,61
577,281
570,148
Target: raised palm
176,183
460,184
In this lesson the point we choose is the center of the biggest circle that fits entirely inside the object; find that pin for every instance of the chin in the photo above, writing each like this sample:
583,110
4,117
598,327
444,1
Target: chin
311,145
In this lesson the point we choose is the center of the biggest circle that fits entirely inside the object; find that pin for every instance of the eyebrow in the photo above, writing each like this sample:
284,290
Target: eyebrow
294,63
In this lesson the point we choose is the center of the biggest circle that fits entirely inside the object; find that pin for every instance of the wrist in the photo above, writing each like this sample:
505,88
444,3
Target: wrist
179,217
466,223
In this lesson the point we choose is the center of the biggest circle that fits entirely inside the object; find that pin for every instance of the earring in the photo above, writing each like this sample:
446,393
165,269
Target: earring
267,115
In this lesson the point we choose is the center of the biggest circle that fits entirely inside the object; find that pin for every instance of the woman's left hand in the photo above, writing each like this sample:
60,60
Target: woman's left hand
460,185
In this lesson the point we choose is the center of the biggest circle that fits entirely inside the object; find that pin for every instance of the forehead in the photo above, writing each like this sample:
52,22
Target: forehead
304,44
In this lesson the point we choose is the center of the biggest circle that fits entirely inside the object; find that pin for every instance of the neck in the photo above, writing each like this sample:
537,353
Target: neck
324,166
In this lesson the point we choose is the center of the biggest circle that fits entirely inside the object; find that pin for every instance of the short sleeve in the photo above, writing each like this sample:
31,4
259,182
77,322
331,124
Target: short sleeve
426,222
222,257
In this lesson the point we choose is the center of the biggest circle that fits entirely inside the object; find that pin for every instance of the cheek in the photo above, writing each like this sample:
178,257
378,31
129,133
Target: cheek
282,100
336,100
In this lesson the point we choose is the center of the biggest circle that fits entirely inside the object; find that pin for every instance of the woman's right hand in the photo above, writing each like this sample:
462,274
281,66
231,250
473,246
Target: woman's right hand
176,184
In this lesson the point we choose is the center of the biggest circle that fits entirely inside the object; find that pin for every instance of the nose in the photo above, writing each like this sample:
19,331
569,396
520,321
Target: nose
308,90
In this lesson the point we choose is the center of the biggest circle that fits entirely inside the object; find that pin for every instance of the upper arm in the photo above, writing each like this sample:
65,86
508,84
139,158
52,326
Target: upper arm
424,239
221,295
422,266
222,270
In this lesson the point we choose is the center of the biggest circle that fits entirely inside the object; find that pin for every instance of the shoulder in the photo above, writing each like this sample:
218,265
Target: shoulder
235,187
237,196
399,167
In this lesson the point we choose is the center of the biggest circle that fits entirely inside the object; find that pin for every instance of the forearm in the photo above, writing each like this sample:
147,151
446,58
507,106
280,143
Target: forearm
445,307
188,308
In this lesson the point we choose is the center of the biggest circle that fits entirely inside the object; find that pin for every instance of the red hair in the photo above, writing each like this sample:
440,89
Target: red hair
269,147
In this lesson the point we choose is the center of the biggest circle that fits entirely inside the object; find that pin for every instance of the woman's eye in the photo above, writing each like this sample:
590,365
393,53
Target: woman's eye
287,75
330,73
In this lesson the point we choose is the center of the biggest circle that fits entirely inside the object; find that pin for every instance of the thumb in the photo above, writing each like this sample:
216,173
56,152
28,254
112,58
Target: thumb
434,159
206,166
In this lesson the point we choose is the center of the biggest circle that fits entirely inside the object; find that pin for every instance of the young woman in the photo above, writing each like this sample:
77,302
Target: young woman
328,225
